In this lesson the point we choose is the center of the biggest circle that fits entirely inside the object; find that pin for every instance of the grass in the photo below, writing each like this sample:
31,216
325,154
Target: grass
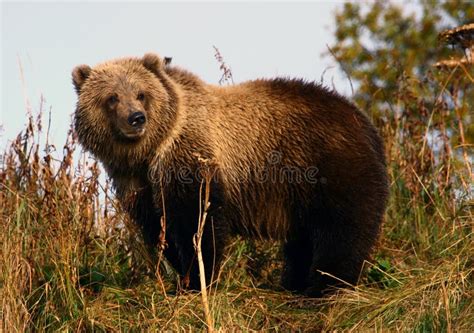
71,260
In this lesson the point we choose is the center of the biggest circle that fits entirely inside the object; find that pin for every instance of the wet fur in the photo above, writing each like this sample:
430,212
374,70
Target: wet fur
329,225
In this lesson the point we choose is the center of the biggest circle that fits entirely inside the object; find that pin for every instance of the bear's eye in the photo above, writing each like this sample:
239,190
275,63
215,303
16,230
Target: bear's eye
141,96
112,100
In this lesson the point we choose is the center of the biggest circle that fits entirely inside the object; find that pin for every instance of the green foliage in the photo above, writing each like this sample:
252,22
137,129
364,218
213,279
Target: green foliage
382,45
381,274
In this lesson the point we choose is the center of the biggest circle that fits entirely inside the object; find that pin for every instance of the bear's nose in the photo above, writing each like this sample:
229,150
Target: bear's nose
136,119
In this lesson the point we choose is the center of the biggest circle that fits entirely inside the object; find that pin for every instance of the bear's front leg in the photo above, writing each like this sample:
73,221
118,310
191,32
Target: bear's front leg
181,226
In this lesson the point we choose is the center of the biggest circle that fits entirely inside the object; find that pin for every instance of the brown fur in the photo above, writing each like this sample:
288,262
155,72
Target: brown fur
258,127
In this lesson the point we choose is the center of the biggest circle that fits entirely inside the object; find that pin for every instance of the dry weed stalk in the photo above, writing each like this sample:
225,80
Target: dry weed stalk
207,174
226,77
162,244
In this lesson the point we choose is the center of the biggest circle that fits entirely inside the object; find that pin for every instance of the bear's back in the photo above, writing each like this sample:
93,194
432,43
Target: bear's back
301,122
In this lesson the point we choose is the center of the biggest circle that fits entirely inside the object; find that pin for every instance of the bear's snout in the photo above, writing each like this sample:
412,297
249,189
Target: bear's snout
131,123
136,119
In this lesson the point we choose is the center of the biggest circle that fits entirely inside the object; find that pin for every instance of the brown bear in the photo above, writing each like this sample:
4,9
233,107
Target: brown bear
294,162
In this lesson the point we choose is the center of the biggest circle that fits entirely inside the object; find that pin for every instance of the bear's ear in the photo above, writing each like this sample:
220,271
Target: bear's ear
153,63
80,75
168,61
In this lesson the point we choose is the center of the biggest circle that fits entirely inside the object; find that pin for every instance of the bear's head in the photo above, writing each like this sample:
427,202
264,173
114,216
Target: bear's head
125,107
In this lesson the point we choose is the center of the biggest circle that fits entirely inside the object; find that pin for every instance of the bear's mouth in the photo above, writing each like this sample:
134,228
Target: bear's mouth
129,135
135,133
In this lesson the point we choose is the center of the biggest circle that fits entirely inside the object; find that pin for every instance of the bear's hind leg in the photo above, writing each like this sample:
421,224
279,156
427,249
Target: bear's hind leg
298,253
339,251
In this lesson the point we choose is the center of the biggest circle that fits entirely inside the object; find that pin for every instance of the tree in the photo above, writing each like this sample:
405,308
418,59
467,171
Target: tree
377,43
388,51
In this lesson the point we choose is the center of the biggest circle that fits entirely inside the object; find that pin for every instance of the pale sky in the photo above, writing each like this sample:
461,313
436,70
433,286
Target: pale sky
255,39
